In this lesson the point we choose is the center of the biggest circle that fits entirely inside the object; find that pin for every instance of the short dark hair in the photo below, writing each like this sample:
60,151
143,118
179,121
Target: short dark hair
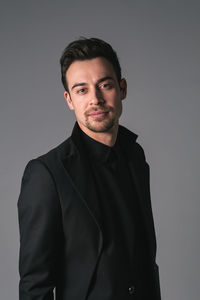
88,48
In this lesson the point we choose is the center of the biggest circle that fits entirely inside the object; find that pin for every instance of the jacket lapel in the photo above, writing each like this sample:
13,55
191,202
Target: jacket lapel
139,170
78,168
141,180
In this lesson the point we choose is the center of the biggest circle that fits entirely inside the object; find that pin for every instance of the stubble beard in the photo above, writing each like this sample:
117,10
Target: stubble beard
102,124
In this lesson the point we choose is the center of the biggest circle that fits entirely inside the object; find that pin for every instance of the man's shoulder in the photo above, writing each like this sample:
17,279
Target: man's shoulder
51,162
58,152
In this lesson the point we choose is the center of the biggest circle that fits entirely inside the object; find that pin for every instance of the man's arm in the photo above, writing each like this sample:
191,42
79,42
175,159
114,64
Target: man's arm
40,233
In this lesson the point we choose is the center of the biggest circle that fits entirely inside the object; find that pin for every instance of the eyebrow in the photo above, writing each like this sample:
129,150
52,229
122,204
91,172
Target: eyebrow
98,81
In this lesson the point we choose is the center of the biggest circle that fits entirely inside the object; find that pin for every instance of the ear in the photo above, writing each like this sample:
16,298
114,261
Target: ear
68,99
123,88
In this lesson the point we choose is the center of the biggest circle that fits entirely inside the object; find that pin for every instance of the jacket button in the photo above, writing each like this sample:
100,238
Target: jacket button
131,290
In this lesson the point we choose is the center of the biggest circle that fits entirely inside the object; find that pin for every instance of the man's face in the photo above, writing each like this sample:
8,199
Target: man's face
95,94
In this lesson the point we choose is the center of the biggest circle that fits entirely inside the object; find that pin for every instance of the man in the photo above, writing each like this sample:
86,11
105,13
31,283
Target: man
86,226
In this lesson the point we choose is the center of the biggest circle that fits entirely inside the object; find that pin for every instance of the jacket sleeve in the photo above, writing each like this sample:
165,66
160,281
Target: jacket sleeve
40,226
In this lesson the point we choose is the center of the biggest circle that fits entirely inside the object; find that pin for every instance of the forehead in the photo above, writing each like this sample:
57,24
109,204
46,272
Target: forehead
89,70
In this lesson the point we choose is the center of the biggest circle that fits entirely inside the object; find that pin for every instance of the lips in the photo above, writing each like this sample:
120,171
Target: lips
98,114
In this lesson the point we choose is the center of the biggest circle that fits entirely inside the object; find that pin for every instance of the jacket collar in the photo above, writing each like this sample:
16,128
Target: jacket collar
78,168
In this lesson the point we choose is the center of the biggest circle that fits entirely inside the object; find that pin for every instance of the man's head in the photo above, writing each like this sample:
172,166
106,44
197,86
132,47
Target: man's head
93,86
84,49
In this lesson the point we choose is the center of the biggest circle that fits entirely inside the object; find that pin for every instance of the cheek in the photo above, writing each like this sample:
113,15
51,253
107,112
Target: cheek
79,109
119,107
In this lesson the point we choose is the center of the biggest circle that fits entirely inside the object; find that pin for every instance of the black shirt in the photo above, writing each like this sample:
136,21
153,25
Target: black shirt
118,272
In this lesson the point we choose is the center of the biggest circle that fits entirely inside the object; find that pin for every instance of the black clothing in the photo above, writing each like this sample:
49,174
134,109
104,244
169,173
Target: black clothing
124,251
64,241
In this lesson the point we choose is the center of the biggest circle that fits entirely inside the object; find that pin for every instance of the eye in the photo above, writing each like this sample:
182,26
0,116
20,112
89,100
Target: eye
81,91
106,86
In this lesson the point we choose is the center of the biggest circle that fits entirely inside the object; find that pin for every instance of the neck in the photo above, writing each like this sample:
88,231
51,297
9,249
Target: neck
107,138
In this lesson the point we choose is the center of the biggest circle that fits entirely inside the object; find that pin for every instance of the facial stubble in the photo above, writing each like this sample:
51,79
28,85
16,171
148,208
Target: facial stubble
101,124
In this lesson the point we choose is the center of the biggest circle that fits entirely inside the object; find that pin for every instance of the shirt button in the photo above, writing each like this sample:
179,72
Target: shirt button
131,290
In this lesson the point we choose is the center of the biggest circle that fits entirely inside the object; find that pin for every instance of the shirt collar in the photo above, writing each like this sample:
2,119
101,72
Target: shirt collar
99,151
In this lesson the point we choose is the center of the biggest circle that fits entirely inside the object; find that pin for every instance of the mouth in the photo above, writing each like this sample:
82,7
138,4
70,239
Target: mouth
98,114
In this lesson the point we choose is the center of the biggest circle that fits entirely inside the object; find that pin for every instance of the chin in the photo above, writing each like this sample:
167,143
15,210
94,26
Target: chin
98,127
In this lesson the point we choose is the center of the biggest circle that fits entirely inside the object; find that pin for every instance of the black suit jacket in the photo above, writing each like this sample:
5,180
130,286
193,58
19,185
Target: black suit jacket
60,226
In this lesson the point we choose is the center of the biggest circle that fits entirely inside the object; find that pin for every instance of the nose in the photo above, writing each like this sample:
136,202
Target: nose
96,97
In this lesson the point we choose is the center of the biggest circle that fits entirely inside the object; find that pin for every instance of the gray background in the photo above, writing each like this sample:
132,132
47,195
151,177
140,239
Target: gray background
158,43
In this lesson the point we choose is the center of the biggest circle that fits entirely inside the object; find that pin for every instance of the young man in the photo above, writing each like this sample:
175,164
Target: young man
86,225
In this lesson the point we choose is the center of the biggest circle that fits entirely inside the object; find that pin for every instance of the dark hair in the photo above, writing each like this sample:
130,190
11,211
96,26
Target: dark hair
88,48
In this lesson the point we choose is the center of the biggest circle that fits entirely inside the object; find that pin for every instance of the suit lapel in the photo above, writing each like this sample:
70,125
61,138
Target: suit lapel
141,180
139,170
78,168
